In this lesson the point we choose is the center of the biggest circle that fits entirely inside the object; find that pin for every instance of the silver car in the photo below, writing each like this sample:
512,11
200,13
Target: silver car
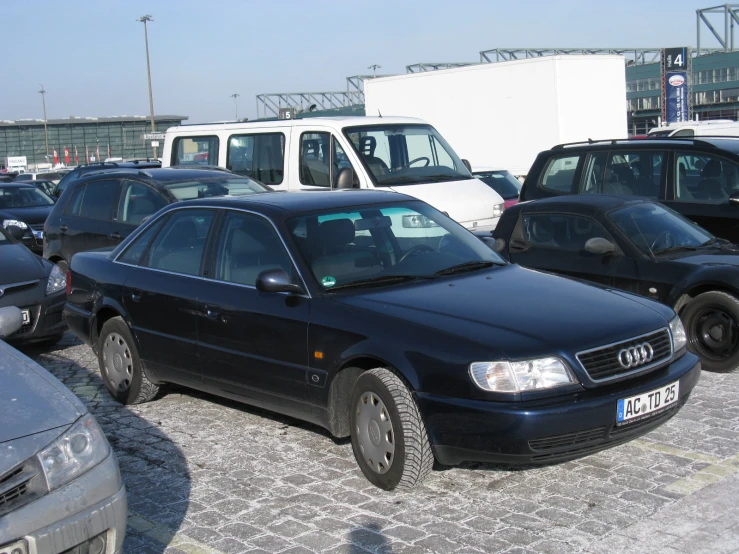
60,486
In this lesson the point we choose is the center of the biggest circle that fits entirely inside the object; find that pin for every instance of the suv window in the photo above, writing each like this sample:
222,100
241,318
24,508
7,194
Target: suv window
623,173
704,178
560,174
179,247
75,201
136,249
138,201
97,202
259,156
195,151
565,232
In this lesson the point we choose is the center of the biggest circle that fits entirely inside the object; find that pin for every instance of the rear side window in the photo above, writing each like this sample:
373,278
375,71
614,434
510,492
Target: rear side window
559,175
138,202
195,151
179,246
260,156
136,249
624,172
75,201
97,202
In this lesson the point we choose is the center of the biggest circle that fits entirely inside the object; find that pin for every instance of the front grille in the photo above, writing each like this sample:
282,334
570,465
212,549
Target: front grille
17,287
13,494
567,439
603,363
20,486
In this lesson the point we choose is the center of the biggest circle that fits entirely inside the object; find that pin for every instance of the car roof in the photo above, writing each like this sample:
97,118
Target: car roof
165,174
336,122
303,201
581,203
19,185
730,144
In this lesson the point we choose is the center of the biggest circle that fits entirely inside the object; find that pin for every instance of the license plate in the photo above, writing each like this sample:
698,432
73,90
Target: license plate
26,316
647,403
15,548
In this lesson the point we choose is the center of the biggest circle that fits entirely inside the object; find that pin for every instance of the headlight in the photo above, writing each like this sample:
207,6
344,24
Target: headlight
679,339
14,222
498,210
526,375
57,280
418,221
75,452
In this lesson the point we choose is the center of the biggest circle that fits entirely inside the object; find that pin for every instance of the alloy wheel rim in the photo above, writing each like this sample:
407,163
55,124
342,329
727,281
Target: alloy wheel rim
117,362
375,433
715,334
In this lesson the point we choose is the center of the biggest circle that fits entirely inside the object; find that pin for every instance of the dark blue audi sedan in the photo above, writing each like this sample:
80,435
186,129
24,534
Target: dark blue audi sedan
376,316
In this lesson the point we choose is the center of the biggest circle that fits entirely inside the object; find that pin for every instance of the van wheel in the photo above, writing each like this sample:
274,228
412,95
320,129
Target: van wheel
388,436
712,324
120,366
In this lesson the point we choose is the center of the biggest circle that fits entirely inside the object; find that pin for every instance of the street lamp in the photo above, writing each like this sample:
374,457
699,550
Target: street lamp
42,92
236,104
374,67
143,19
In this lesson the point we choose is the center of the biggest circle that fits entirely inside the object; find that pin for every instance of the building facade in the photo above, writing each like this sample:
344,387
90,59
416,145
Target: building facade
85,138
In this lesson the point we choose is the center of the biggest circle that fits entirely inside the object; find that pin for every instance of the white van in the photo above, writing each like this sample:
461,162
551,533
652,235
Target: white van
713,128
391,153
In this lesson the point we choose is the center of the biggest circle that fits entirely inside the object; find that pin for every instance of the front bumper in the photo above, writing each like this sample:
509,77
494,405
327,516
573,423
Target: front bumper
91,505
47,318
548,430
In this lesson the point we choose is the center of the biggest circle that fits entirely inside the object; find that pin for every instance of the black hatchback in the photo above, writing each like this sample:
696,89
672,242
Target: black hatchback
697,178
104,207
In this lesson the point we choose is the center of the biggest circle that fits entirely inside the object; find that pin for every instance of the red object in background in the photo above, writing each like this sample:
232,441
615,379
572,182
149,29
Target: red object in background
638,137
76,156
97,153
109,151
87,156
202,157
509,203
56,158
66,155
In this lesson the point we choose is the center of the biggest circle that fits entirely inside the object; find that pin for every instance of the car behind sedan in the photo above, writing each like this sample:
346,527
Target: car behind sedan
60,486
376,316
25,206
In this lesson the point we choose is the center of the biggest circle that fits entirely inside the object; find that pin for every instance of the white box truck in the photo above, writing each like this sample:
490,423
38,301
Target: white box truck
504,114
16,163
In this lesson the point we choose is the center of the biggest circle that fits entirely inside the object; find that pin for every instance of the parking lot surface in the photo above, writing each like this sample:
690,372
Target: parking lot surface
206,475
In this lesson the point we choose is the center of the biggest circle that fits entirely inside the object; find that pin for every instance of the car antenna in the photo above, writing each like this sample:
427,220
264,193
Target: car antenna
378,112
651,254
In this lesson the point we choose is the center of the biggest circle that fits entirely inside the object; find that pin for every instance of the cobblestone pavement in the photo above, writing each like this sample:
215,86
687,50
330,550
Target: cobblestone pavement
205,475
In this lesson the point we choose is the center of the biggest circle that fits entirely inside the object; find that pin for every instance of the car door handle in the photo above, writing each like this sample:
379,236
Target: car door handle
136,295
63,227
213,312
114,236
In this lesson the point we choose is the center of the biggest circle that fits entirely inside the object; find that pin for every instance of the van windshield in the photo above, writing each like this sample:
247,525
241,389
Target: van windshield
405,154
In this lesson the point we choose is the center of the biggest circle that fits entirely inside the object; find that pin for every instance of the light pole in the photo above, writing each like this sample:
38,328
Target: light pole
236,104
374,67
42,92
143,19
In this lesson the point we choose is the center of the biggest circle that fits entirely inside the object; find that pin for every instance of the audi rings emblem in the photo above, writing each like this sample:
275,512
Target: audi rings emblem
636,355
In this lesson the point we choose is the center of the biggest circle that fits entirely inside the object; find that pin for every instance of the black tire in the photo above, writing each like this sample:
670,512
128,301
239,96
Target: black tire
711,322
120,366
411,459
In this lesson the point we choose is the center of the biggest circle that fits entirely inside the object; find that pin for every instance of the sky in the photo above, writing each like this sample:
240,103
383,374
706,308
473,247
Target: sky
91,59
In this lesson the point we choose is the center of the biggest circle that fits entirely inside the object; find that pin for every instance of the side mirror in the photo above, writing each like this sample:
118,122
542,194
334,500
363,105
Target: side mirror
277,280
15,231
734,199
346,179
467,165
600,246
11,319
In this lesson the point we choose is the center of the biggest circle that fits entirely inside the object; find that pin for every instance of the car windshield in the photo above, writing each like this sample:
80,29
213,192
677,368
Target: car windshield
219,186
654,228
23,197
405,154
501,182
373,245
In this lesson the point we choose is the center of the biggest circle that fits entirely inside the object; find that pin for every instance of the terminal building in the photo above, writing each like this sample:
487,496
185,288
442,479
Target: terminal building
92,138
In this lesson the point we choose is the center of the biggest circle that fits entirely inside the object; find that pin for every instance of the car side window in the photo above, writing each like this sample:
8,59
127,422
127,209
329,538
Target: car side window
563,232
97,202
134,251
180,244
259,156
623,172
248,245
138,202
195,151
559,175
314,159
704,179
75,201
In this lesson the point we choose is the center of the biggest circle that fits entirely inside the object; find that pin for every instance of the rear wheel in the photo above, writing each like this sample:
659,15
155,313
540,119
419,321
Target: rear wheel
712,323
388,436
120,366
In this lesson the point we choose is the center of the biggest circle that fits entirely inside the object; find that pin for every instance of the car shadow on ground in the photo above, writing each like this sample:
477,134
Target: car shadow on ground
153,467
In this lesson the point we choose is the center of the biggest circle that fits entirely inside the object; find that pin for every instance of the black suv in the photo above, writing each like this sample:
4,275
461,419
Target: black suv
100,209
83,169
697,178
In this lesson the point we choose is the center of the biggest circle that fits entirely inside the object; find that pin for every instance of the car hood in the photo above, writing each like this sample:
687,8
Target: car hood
33,400
19,264
518,312
31,216
709,257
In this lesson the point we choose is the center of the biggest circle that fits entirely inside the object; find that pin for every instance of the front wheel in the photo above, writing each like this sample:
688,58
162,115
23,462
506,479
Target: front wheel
388,435
712,323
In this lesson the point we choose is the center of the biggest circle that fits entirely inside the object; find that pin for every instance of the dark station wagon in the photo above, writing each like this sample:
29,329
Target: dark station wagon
376,316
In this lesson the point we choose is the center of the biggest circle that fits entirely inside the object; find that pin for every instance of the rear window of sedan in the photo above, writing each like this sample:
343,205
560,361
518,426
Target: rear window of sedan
205,188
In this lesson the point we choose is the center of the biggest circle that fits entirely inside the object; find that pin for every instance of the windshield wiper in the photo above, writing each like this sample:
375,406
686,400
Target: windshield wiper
466,266
380,280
